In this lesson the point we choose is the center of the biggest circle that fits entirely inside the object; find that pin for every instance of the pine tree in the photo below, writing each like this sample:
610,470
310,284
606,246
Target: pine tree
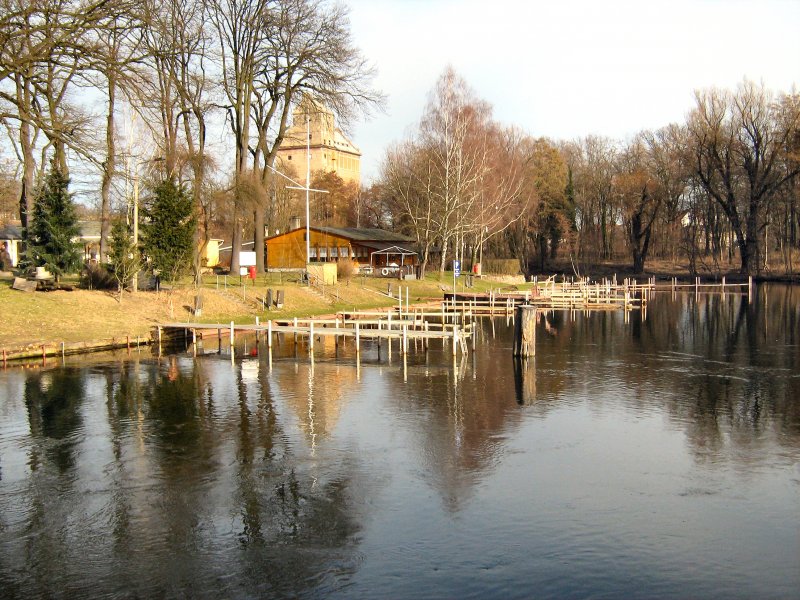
54,228
123,255
168,232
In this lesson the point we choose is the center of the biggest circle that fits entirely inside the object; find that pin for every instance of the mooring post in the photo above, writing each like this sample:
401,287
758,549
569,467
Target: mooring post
269,333
525,331
295,330
749,289
232,333
358,340
455,338
158,331
405,339
311,337
257,324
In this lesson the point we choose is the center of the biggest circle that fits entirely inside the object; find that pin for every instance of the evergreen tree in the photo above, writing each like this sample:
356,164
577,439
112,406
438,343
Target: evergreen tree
54,228
123,255
168,232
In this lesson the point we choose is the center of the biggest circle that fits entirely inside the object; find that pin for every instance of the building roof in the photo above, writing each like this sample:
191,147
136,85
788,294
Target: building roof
365,234
10,232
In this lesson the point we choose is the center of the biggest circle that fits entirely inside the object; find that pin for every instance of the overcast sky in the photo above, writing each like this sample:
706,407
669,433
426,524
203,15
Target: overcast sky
568,68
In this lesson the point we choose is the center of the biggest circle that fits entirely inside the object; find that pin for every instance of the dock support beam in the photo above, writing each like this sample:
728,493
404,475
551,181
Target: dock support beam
525,331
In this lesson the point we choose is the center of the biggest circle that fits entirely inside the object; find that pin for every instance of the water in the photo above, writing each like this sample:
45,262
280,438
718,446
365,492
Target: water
656,459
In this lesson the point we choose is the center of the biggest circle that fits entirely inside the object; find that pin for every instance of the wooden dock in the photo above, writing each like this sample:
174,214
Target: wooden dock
352,325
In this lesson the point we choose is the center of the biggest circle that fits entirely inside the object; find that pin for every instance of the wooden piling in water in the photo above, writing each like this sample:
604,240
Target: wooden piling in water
525,331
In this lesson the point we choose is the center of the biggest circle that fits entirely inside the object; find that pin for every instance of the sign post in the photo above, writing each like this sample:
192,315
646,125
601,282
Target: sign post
456,273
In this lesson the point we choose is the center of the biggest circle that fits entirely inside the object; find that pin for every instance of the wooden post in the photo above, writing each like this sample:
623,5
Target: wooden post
405,339
64,351
311,337
749,289
232,336
525,331
424,340
159,340
194,341
295,330
257,324
269,334
455,338
358,339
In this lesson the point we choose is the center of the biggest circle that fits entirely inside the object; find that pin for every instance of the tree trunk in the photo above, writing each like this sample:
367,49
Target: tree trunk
108,171
258,236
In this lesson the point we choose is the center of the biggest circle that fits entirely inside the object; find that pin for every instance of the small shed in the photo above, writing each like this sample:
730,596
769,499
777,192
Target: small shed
11,237
211,254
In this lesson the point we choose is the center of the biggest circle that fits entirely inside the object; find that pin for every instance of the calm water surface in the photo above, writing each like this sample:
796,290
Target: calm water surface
655,458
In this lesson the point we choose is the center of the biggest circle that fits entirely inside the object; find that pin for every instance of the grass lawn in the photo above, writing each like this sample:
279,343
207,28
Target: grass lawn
33,319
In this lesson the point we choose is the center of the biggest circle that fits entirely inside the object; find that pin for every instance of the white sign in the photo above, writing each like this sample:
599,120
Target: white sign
247,259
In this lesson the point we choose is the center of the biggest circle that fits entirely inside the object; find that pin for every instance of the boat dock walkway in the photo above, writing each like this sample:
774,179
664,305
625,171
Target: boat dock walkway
356,326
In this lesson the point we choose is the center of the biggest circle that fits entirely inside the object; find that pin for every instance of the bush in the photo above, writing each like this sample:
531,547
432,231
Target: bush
501,266
345,268
98,277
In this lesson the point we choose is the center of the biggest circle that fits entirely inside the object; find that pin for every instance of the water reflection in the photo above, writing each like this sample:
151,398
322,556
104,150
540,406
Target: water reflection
287,475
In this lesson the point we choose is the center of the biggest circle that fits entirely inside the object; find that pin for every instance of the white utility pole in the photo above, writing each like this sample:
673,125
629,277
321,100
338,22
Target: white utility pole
307,189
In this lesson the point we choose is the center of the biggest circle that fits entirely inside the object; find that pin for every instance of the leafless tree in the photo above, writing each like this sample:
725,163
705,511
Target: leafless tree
739,148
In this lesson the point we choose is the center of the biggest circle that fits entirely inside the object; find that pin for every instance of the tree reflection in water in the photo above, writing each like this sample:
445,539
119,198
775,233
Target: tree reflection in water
278,476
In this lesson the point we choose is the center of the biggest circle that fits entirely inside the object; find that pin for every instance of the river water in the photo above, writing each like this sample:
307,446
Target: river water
655,458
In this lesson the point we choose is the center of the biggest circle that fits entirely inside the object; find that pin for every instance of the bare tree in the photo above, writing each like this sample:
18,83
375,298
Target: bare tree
739,147
641,197
307,56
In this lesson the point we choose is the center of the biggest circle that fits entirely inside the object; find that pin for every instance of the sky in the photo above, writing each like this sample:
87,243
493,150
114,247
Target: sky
565,69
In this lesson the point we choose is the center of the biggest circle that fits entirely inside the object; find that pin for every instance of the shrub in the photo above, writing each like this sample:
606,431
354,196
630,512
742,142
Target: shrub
501,266
98,277
345,268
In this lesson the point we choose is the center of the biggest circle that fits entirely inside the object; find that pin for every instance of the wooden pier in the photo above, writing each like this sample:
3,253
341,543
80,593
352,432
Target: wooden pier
451,321
455,330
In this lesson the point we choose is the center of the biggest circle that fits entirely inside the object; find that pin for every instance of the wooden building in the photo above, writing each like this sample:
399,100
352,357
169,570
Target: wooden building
367,247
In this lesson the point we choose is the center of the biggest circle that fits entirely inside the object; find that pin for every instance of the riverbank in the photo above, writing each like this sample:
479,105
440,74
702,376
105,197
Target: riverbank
82,320
60,321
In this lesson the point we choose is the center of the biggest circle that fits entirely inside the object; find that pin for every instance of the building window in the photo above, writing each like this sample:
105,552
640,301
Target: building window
344,251
334,252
